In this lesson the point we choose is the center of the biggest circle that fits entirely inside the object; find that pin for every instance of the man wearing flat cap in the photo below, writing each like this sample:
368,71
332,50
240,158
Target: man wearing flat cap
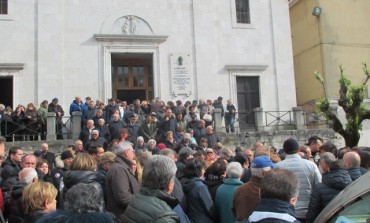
59,112
307,173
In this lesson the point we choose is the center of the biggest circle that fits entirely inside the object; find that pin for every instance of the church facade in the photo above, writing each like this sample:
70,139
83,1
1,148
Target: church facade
238,49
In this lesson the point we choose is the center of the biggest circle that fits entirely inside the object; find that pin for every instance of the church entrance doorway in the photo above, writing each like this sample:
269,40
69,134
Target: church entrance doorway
248,99
132,76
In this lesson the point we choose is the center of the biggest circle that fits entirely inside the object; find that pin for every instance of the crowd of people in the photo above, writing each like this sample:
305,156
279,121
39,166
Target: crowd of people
31,121
156,162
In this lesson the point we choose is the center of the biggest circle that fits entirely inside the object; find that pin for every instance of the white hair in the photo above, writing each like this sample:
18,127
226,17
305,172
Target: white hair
27,175
123,146
152,141
234,170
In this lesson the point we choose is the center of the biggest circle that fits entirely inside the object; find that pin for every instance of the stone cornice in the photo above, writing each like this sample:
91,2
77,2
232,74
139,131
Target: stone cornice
130,38
12,66
246,67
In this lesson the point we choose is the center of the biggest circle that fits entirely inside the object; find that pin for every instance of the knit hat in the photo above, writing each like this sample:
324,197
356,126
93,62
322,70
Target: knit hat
290,145
161,146
66,155
107,157
55,99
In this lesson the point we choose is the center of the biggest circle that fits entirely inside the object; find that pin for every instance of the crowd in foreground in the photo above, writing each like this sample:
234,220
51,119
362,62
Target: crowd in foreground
199,184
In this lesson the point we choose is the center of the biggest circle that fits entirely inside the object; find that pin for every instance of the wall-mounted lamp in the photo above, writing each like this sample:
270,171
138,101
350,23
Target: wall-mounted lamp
316,11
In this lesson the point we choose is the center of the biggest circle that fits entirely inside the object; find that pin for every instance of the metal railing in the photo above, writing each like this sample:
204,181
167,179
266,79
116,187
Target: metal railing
20,131
33,131
278,118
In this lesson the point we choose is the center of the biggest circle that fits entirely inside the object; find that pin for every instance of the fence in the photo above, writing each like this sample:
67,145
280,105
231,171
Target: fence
54,128
260,120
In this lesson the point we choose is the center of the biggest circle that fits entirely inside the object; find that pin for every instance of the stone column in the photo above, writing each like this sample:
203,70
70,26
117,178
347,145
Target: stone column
334,109
298,118
218,119
51,127
76,124
258,118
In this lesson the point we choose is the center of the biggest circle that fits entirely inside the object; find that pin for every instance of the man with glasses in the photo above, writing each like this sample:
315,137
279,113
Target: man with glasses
121,183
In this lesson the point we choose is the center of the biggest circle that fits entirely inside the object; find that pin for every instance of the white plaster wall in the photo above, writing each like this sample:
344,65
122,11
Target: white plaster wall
67,61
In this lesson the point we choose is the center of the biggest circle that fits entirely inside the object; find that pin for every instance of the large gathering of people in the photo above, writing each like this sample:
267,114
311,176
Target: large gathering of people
156,162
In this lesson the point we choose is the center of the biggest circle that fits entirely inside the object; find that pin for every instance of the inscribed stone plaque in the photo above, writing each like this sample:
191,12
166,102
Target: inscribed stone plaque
181,76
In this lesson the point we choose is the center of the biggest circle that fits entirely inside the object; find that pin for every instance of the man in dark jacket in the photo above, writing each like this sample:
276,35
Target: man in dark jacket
89,113
11,166
121,183
333,182
49,156
279,191
115,127
86,132
59,113
26,176
352,161
154,202
96,140
168,123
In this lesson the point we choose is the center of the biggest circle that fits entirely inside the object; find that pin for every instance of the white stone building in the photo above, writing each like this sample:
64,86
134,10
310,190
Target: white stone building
172,49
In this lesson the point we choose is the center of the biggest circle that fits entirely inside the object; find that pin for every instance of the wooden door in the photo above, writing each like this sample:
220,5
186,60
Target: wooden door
132,79
248,99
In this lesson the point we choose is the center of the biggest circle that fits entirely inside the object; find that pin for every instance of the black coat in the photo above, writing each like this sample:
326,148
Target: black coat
333,182
115,129
200,205
74,177
50,157
85,135
104,132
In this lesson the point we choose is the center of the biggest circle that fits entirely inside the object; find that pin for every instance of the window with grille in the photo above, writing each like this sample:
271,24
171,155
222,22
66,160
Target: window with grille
242,11
3,6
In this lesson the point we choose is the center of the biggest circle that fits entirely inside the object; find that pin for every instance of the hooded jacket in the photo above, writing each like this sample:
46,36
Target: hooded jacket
200,205
333,182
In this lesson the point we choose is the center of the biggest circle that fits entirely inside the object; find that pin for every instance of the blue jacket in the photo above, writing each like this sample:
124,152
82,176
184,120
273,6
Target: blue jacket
200,205
355,173
75,107
224,199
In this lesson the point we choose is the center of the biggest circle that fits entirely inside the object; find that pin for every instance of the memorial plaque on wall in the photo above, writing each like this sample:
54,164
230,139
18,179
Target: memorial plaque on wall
181,74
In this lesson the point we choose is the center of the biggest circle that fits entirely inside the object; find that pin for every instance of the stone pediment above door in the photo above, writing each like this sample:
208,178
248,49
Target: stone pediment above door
128,28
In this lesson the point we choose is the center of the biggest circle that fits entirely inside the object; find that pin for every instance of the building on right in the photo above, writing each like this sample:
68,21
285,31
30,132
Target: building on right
326,34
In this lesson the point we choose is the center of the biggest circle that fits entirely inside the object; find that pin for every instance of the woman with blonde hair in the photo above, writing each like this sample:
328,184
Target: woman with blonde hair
38,199
83,170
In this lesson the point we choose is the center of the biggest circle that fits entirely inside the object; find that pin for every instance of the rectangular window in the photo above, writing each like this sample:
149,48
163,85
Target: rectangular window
242,11
3,6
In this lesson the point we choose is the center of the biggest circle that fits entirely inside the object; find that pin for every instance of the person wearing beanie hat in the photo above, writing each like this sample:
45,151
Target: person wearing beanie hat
59,172
306,171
